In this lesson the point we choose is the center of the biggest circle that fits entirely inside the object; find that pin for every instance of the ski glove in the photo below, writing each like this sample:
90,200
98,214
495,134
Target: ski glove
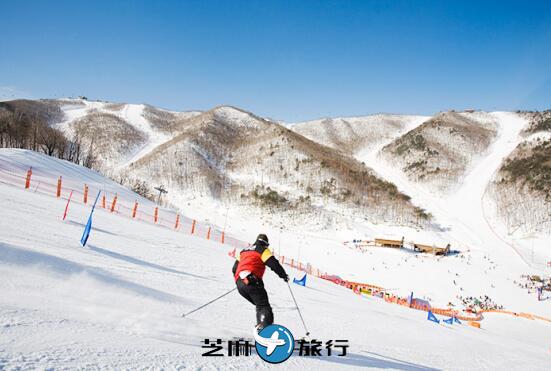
286,278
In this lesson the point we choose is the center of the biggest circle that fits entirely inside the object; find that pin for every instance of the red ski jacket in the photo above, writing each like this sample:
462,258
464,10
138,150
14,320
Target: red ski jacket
255,260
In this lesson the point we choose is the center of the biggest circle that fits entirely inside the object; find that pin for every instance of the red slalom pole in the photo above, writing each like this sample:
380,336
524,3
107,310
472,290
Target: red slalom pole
67,206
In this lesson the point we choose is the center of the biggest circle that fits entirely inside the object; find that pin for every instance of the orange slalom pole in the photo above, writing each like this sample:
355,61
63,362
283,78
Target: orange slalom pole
208,234
103,202
177,224
222,238
28,179
85,194
193,227
135,210
156,216
58,193
67,206
114,203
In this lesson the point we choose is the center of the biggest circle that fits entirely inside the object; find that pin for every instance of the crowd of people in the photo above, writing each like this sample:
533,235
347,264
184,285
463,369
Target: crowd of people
535,285
532,283
476,304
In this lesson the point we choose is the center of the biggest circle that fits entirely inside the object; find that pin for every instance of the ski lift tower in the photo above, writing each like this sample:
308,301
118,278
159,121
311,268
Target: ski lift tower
162,191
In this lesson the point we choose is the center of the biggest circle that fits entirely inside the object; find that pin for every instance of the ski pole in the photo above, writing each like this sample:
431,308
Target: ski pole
298,309
210,302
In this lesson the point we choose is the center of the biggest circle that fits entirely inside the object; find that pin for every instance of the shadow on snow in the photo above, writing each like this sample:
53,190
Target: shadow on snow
23,257
375,360
143,263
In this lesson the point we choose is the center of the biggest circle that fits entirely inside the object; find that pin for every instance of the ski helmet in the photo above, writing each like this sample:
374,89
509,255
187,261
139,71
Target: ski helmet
263,239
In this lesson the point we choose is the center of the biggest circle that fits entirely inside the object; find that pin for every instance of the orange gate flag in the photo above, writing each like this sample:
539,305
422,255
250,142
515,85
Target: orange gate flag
28,180
58,193
156,216
85,194
114,203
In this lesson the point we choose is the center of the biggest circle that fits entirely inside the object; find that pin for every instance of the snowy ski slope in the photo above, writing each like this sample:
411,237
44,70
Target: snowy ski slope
117,303
462,213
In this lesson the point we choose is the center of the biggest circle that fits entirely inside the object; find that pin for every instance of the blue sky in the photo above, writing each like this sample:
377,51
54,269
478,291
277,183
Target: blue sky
289,60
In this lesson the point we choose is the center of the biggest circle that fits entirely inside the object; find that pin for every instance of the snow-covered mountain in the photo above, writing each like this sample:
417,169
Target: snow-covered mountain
117,134
354,135
230,156
439,152
397,175
237,158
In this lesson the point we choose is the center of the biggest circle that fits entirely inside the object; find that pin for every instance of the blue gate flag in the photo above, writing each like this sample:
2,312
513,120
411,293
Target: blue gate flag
449,321
301,282
432,317
88,227
456,320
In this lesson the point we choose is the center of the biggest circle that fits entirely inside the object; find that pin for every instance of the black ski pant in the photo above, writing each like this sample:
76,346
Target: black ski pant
255,293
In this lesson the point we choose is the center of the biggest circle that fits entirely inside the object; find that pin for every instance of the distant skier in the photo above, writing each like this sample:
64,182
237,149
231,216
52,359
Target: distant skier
248,270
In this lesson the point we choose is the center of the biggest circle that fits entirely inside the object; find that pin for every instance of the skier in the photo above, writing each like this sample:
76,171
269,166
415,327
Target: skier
248,270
